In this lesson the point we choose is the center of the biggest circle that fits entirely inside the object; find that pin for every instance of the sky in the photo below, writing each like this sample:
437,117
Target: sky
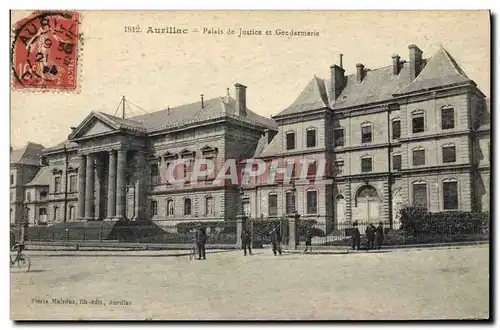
154,71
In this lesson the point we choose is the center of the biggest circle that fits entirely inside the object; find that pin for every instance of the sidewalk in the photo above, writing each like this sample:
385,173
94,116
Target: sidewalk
115,253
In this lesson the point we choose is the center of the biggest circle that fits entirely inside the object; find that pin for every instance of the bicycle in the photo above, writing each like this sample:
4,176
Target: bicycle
193,251
21,259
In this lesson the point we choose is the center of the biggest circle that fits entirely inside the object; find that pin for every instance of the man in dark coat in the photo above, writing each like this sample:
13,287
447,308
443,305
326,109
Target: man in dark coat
246,241
309,236
379,235
370,235
201,240
356,236
276,240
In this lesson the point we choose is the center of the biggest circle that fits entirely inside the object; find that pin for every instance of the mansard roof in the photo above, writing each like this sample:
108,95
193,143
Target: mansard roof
441,70
28,155
379,85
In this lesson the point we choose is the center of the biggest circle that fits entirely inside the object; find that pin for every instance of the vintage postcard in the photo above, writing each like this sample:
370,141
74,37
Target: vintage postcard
250,165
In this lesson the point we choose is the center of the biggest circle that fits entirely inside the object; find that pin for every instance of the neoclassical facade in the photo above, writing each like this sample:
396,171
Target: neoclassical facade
416,131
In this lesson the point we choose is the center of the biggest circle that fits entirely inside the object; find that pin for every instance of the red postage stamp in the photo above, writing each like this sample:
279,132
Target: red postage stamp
45,51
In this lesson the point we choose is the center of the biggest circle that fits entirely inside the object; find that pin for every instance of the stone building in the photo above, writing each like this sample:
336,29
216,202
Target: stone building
110,168
24,165
414,132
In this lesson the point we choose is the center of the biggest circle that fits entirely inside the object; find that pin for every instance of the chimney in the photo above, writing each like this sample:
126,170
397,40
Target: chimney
202,105
241,99
359,72
340,60
395,64
337,81
415,61
72,128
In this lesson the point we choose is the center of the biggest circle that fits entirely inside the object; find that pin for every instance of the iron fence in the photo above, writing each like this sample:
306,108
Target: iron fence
324,231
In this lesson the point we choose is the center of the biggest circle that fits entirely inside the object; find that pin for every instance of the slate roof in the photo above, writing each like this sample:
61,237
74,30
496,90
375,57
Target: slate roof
193,112
441,70
28,155
61,145
379,85
274,147
44,175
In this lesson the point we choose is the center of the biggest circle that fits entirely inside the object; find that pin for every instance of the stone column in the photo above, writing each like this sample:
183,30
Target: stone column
89,188
98,188
293,219
120,184
81,186
112,186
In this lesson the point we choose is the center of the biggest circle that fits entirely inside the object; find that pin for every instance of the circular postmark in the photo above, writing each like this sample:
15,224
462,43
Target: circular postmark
44,50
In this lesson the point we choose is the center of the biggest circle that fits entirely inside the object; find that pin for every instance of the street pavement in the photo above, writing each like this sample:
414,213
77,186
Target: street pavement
411,284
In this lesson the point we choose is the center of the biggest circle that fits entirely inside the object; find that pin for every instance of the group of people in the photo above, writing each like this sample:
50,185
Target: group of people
246,241
374,236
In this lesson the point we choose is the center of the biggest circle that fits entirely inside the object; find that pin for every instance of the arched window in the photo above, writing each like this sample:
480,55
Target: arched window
209,205
71,212
187,206
56,213
170,207
154,208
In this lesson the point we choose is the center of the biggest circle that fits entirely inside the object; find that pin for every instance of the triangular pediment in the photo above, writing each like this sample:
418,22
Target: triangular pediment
94,125
169,155
208,149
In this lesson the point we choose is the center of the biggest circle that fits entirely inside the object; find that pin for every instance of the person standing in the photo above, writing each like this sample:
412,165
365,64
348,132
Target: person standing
370,235
246,241
379,235
276,241
201,240
308,239
356,236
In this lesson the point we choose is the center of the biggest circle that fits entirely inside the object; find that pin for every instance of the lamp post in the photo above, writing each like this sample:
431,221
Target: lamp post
240,219
293,218
293,190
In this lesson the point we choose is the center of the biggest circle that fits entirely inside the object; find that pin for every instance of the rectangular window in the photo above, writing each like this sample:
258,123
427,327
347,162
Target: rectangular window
450,195
290,141
11,197
28,196
290,202
366,134
420,195
447,118
154,208
312,202
56,213
366,164
339,167
43,194
273,205
170,207
396,129
311,170
187,206
209,206
155,175
338,137
57,184
419,157
72,183
396,162
418,123
12,179
311,138
449,154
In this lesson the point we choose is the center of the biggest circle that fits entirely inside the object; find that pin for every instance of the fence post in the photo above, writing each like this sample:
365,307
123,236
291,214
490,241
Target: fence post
53,236
101,234
67,234
84,234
